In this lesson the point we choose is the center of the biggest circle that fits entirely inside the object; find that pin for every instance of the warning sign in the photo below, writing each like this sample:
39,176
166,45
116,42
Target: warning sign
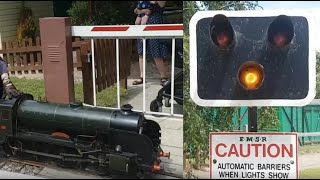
253,156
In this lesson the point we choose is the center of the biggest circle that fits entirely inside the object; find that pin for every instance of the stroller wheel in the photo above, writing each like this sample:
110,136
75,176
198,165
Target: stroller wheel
167,102
155,106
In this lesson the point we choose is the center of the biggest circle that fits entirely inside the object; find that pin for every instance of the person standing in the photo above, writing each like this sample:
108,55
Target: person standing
154,47
6,86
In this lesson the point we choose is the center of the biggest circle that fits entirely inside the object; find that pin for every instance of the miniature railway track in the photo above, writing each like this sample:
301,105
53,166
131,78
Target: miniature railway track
22,167
171,175
33,168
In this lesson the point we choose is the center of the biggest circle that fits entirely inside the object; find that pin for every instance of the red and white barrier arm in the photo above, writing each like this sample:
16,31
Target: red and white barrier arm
129,31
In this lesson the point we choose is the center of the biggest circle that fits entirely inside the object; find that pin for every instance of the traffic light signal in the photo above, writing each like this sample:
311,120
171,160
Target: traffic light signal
251,75
252,58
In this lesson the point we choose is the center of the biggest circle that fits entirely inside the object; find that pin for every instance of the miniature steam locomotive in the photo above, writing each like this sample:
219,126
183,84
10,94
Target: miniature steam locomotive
112,141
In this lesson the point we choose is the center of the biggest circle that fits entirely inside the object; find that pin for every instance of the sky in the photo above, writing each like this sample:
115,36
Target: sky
309,5
290,4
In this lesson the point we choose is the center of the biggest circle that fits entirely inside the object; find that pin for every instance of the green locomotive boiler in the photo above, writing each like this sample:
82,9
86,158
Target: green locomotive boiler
112,141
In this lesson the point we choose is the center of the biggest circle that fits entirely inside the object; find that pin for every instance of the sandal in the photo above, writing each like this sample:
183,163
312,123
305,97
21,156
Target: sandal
138,81
163,80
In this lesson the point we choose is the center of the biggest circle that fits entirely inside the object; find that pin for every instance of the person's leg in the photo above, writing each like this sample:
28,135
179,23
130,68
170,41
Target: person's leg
144,19
138,20
158,52
139,49
141,66
161,66
163,69
140,79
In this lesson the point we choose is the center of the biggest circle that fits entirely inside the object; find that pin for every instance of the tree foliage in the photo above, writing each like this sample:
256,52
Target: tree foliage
79,13
191,7
107,12
230,5
268,119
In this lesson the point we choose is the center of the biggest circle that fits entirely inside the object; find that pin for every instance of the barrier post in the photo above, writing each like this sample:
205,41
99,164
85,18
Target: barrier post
56,46
1,55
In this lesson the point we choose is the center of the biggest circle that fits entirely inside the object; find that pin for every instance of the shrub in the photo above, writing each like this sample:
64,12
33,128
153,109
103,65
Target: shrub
26,27
79,13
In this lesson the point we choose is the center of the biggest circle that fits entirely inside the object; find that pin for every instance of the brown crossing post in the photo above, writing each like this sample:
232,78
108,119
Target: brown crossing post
56,45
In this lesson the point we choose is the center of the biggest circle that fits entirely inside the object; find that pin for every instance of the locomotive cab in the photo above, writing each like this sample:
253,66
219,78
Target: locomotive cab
6,123
8,113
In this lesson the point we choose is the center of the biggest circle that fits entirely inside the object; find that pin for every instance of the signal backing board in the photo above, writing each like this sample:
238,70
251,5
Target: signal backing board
289,73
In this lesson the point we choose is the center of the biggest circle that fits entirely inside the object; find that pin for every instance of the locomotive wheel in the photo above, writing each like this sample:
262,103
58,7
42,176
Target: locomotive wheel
140,175
143,175
103,171
8,150
155,106
64,164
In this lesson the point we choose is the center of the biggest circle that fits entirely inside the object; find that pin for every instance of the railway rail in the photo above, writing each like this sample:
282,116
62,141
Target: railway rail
32,168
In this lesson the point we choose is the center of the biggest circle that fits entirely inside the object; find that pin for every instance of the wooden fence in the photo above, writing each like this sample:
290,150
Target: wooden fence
105,60
26,58
22,57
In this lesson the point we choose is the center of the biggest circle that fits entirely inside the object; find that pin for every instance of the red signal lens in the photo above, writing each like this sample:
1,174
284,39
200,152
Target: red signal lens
281,31
279,40
222,33
223,40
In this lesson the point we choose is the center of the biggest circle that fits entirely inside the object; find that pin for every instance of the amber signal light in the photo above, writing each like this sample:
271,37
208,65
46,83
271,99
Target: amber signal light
251,75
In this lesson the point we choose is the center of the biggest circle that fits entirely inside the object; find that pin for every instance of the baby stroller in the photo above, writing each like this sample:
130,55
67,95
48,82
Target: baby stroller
165,91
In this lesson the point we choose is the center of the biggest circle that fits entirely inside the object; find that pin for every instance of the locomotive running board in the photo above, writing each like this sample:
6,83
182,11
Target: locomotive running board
39,137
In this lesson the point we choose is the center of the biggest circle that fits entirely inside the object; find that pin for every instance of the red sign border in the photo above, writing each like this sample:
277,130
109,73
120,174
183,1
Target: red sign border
252,133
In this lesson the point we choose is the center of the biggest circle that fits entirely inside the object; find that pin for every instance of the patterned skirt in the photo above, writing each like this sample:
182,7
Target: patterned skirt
154,46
